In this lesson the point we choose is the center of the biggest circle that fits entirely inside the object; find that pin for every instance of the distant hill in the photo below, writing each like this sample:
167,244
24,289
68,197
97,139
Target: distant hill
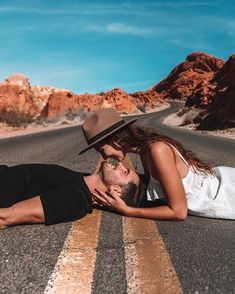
19,96
202,81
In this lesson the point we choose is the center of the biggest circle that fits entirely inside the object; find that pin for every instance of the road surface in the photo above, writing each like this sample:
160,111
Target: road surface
118,255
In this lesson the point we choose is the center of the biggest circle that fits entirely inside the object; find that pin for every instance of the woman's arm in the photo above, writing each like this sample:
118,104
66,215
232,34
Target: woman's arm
162,166
155,213
161,163
115,203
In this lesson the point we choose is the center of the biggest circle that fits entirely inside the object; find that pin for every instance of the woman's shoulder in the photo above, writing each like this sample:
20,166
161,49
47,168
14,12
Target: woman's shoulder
159,148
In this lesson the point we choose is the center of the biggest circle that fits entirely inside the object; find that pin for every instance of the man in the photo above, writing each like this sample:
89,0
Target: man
41,193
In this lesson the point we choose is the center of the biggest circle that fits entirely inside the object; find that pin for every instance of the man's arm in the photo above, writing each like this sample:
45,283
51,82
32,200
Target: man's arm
23,212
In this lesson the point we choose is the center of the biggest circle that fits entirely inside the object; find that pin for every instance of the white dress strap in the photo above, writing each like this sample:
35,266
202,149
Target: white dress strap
181,156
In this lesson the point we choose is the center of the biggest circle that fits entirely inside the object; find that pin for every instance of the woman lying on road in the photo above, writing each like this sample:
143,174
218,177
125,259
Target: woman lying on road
187,184
41,193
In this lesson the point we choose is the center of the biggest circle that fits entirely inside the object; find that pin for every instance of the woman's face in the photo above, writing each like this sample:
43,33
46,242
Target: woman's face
108,151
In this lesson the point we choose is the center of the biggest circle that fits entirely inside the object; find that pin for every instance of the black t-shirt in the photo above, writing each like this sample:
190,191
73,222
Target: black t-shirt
63,192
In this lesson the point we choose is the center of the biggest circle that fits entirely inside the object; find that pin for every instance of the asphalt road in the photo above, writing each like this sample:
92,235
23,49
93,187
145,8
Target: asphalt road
201,250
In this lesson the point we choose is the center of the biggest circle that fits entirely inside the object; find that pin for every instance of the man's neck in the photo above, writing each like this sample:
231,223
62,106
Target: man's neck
94,182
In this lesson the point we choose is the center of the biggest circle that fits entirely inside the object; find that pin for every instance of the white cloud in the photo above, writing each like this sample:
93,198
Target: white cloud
192,44
120,28
124,29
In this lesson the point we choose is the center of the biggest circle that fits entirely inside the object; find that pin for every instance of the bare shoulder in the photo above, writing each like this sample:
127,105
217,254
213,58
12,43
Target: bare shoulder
160,149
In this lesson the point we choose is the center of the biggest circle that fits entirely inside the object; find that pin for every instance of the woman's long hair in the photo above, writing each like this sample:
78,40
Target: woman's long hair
141,137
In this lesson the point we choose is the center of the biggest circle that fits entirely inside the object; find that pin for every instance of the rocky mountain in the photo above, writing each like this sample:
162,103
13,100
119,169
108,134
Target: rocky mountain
62,102
203,81
182,82
207,83
220,112
16,94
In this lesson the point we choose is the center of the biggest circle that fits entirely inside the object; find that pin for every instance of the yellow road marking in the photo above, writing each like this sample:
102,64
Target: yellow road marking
154,272
148,266
74,270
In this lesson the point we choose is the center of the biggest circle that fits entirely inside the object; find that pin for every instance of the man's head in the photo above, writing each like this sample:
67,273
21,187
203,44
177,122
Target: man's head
122,181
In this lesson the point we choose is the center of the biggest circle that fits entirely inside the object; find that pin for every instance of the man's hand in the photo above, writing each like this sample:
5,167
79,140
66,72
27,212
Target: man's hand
110,201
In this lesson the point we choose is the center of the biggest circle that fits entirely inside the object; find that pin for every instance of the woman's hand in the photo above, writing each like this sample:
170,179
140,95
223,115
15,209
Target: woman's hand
111,201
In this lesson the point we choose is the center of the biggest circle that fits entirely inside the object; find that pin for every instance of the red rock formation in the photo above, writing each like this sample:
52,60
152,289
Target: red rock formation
16,95
62,102
148,98
91,102
221,110
206,82
59,103
202,80
120,100
41,95
184,79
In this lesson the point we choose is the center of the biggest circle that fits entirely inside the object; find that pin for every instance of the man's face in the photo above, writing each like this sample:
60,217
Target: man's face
117,174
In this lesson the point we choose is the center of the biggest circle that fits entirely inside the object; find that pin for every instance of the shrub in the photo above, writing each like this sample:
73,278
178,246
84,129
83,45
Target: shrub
142,107
15,118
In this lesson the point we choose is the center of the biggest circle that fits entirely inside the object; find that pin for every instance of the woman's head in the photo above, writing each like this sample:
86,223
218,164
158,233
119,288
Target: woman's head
101,125
131,138
109,149
134,138
110,135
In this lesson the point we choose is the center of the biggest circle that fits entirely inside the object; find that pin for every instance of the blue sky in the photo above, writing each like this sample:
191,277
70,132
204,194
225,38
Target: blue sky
93,46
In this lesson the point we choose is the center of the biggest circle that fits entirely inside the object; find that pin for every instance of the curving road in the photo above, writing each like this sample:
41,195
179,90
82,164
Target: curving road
201,250
218,150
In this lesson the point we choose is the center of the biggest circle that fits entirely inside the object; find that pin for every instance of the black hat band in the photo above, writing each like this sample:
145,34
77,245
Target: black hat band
106,131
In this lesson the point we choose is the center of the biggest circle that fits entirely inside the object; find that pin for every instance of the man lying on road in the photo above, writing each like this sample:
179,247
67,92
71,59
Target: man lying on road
43,193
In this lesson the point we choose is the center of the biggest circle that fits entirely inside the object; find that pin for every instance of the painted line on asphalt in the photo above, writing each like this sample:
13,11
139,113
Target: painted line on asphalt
148,265
110,271
73,272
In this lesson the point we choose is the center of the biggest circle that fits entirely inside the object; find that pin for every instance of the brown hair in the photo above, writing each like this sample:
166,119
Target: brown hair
141,137
133,194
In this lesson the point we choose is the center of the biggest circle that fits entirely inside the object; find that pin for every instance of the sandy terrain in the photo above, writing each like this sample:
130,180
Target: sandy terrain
171,120
174,120
6,131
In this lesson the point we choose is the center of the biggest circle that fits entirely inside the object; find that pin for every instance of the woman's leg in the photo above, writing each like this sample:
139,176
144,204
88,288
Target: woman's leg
23,212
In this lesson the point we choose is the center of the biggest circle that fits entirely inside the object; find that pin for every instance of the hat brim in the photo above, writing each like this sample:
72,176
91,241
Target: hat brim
107,135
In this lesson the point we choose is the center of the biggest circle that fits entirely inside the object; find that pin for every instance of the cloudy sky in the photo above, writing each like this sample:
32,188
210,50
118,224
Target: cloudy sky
93,46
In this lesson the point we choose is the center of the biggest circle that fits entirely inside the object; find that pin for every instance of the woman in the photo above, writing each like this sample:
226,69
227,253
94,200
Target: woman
174,174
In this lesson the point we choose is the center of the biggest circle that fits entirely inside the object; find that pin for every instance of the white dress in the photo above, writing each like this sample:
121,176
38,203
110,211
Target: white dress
207,195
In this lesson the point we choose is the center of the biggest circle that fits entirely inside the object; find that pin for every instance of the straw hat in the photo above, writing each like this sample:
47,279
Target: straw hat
102,124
